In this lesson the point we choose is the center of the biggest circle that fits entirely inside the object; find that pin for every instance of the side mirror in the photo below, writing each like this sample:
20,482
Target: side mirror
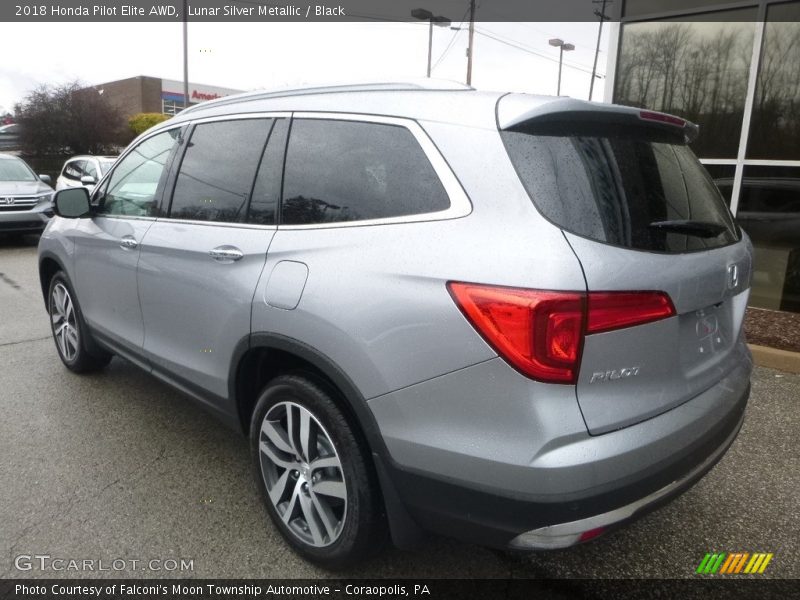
72,203
45,178
88,180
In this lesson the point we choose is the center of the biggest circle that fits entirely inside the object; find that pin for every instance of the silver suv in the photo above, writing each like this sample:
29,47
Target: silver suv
511,319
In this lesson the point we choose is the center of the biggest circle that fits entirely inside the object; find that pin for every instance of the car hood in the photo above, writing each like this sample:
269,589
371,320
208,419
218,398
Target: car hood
23,188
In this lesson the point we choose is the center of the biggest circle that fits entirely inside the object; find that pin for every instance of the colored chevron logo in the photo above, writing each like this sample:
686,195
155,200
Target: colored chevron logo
734,563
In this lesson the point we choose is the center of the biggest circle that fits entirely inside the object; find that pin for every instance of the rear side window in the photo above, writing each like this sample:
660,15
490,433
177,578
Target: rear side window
218,169
626,187
340,171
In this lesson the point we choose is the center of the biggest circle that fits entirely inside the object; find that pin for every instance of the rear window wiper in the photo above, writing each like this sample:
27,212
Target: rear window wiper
703,229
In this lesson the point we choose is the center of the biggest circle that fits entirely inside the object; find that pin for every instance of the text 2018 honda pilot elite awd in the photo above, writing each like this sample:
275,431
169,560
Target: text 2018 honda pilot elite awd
512,319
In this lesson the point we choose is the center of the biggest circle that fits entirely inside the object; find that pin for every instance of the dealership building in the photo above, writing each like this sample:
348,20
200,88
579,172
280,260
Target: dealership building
154,95
734,68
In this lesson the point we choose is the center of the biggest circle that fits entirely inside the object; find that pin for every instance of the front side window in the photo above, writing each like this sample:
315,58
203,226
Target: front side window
339,171
218,169
138,178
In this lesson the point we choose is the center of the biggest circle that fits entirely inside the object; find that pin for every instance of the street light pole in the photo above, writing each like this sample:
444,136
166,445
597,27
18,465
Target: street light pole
430,44
439,21
562,47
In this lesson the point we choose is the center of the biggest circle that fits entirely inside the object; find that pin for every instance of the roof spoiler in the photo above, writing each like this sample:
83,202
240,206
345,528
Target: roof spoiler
517,111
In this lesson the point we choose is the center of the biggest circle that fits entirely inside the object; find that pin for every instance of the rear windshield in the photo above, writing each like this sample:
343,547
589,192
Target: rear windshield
629,187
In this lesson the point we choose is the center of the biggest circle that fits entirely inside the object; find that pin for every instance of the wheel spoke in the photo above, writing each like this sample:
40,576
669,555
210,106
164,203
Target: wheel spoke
68,312
277,436
279,489
287,514
275,458
72,338
325,515
308,435
310,516
336,489
325,462
62,342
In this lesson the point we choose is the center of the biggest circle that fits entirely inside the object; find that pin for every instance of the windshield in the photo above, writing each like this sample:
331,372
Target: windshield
105,164
15,170
622,186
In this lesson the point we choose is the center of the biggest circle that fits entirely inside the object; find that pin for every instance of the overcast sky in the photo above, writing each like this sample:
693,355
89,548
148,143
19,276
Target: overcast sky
508,56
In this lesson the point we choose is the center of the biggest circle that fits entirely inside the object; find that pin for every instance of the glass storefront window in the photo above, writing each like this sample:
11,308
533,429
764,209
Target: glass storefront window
723,176
698,70
769,211
775,127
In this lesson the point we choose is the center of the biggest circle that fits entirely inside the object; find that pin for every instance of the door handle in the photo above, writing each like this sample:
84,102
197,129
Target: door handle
128,242
226,254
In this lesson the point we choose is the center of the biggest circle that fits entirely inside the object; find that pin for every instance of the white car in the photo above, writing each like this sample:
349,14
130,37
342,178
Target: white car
84,171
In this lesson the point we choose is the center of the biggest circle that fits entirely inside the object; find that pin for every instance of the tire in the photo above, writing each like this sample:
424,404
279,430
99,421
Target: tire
320,488
70,334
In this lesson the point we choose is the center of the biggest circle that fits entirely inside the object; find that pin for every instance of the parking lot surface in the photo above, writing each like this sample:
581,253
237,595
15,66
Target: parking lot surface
117,465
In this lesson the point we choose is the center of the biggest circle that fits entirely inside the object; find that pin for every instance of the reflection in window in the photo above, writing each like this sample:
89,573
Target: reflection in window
136,179
218,169
351,171
696,70
775,129
769,211
723,178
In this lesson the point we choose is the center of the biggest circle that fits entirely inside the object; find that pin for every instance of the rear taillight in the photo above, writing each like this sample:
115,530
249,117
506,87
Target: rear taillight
541,332
615,310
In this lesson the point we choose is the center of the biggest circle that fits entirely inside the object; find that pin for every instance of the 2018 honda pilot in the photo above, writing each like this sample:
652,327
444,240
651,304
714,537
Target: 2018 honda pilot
512,319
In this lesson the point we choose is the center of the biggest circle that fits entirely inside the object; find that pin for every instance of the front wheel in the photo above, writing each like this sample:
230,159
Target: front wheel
317,483
69,330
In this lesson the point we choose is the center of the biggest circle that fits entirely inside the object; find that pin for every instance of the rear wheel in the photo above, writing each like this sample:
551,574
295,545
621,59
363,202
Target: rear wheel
69,330
317,483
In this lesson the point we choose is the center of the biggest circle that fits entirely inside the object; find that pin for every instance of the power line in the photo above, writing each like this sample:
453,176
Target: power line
518,46
452,39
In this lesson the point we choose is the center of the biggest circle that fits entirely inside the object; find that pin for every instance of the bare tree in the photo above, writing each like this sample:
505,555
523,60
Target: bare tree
68,118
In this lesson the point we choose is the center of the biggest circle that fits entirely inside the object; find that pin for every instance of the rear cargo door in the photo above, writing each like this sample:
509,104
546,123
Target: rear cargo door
641,213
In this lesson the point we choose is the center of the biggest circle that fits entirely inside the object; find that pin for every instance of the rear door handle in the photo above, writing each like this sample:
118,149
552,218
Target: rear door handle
226,254
128,242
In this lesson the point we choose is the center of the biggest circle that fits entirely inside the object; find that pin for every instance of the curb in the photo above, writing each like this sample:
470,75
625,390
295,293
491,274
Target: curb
783,360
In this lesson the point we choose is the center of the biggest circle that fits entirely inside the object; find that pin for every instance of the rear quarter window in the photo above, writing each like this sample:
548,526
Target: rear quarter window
340,171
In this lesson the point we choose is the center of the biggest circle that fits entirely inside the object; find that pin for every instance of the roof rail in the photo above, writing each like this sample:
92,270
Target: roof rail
409,85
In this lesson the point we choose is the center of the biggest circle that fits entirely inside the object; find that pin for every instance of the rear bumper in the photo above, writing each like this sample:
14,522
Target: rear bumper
574,486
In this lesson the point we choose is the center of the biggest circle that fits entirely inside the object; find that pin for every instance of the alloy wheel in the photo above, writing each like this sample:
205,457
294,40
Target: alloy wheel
303,474
64,319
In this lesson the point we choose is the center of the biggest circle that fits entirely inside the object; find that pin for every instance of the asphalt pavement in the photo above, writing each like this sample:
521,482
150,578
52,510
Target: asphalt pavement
118,466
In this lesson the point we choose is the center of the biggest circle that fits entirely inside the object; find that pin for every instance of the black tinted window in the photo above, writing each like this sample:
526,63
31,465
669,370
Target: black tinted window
267,190
625,188
218,169
351,171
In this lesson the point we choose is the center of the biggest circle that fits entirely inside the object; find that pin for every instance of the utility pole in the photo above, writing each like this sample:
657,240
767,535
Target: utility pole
470,49
185,53
603,17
